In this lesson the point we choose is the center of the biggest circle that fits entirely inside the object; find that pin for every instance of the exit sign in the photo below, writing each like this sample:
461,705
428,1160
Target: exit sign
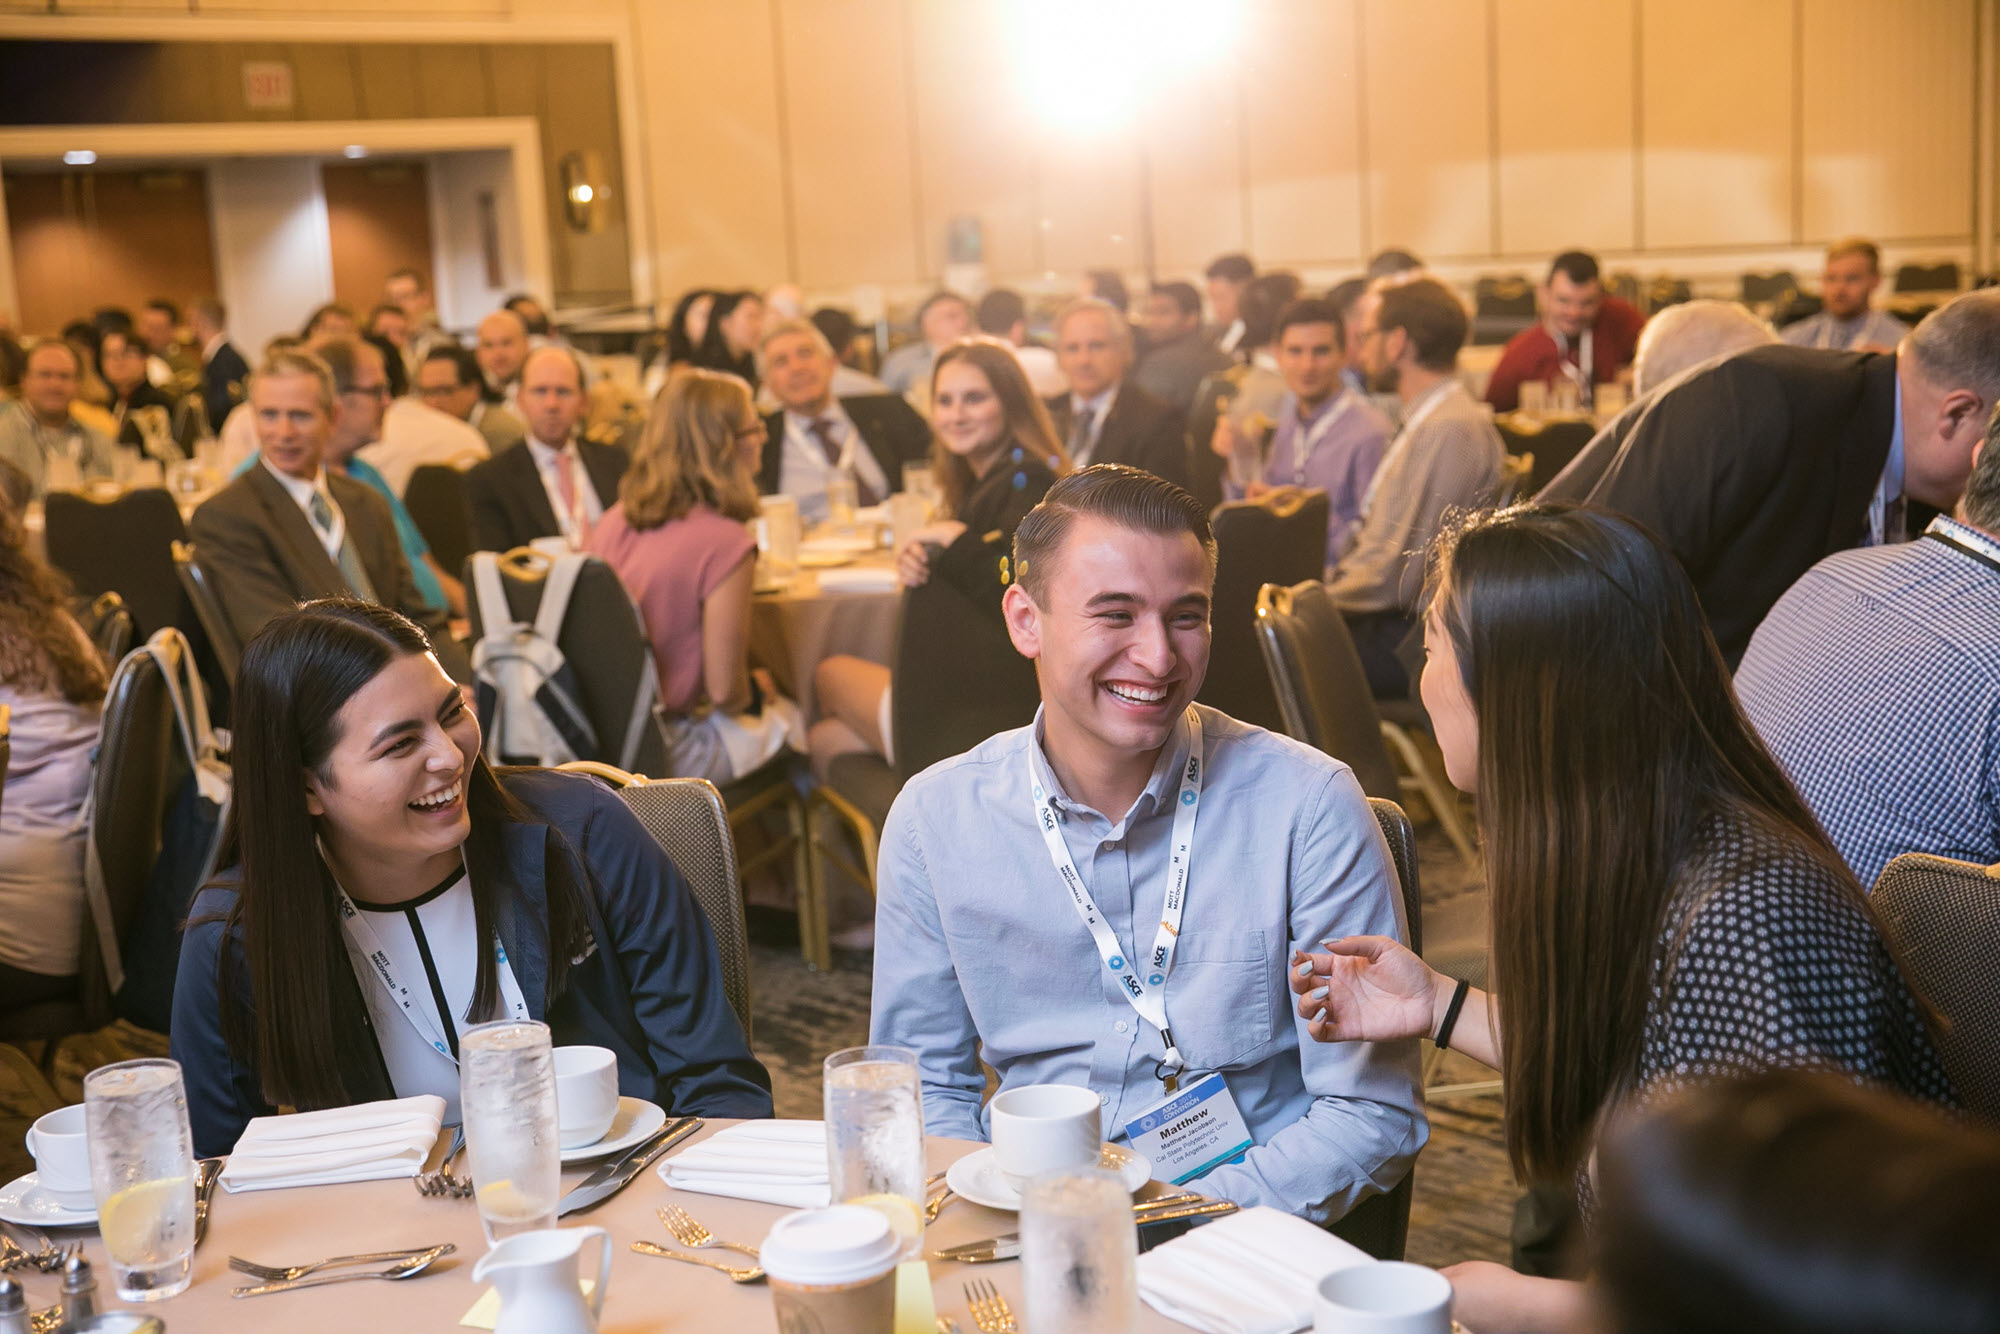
267,85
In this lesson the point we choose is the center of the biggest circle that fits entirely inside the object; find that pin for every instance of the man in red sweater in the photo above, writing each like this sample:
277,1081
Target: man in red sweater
1584,336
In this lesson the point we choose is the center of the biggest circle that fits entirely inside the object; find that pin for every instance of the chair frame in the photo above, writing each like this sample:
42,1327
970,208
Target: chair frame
208,609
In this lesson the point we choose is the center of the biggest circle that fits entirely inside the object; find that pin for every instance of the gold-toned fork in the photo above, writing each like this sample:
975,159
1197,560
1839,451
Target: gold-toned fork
442,1182
989,1309
689,1232
931,1209
737,1273
946,1325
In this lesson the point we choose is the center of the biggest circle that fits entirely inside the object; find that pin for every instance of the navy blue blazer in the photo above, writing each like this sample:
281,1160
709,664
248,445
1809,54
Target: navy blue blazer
649,985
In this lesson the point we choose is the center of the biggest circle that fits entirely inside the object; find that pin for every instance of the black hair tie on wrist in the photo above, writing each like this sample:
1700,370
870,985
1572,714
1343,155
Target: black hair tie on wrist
1443,1039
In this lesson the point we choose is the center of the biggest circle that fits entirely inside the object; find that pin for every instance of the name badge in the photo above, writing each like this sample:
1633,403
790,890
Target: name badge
1191,1132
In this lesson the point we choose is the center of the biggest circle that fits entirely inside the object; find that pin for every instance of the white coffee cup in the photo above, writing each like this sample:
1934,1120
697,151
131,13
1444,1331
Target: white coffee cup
1041,1128
1383,1297
586,1094
62,1156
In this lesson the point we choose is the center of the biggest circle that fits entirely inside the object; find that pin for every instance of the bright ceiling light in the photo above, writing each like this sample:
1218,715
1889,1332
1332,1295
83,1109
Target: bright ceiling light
1088,66
79,157
353,151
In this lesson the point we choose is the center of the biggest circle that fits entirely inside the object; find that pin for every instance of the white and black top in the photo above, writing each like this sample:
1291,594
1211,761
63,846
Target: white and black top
429,948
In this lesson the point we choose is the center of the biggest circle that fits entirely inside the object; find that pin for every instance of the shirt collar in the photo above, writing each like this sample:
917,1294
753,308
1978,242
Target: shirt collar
1966,535
1892,471
1307,419
1101,405
804,421
297,488
1160,790
213,346
545,454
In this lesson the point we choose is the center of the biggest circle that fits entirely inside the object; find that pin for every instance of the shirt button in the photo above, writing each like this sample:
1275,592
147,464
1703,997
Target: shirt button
1122,1026
1108,845
1104,1100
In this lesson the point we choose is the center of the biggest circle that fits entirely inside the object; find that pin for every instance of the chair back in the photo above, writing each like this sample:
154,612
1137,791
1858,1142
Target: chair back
1942,917
122,543
1942,277
687,819
957,678
1280,539
1664,291
199,586
1552,443
1321,687
1401,836
1501,308
604,643
1757,288
108,622
435,498
6,745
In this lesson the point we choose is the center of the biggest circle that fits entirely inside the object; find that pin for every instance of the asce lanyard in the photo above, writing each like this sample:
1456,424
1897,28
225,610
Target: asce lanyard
1302,452
1585,361
1145,990
407,1000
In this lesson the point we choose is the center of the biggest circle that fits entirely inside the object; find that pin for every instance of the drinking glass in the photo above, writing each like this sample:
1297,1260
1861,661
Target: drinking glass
920,480
1534,398
778,535
842,497
875,1135
507,1095
141,1171
1079,1254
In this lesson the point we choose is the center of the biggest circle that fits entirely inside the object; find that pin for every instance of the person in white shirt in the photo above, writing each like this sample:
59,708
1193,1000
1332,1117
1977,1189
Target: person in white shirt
817,435
555,484
1003,314
1845,322
414,434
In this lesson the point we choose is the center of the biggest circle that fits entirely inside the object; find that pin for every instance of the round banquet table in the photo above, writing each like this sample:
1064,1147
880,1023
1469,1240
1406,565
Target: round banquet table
297,1225
795,628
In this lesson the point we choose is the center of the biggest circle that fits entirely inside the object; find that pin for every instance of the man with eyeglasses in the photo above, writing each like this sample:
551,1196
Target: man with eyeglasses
449,379
295,525
414,431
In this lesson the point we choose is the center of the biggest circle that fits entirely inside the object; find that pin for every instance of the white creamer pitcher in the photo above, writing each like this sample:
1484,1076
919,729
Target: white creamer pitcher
535,1273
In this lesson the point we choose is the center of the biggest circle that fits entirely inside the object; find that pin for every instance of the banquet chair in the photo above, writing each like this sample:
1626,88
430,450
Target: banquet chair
603,640
957,681
435,498
121,541
1279,539
1502,307
6,748
1664,291
1517,472
1551,443
209,612
108,622
1942,918
1756,289
1942,277
687,819
1323,694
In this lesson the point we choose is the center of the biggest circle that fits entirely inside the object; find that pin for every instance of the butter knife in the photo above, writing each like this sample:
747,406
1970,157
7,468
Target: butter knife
1009,1246
613,1177
207,1171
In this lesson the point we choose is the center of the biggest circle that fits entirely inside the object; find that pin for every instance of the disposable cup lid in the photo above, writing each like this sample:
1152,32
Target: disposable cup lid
844,1244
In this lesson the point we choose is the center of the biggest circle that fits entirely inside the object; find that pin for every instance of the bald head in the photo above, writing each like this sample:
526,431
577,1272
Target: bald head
551,395
503,346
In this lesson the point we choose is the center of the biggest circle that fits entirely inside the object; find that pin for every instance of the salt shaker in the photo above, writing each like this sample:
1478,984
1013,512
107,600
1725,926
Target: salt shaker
79,1292
13,1308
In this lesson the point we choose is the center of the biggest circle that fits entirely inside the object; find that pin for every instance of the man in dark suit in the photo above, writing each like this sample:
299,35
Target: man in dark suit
223,369
1104,418
1756,467
554,483
290,529
815,435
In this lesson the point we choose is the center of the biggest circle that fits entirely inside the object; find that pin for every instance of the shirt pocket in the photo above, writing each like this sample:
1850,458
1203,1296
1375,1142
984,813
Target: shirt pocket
1222,998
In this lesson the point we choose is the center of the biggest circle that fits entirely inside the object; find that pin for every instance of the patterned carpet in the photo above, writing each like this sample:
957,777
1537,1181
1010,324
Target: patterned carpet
1464,1191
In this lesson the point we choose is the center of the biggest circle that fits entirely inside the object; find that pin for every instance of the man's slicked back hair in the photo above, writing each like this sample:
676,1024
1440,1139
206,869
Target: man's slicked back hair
1129,497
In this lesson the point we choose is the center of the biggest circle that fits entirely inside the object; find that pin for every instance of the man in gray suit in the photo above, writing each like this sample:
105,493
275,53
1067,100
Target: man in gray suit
289,530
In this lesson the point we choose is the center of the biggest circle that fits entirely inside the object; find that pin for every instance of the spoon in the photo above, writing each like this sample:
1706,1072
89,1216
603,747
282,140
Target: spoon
737,1274
408,1268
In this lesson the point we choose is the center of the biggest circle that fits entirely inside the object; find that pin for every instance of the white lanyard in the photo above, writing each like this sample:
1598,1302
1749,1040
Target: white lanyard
1402,440
1145,991
1585,361
1302,451
406,1000
801,431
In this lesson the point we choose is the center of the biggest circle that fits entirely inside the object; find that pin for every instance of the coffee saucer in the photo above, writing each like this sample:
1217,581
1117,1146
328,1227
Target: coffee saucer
977,1176
24,1201
636,1119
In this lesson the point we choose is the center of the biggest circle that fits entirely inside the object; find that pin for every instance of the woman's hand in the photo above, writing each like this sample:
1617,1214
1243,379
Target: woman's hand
913,558
1365,989
1492,1299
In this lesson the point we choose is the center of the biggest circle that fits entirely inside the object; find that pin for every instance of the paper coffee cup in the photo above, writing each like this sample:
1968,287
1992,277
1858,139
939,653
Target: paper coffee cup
1385,1297
61,1149
1041,1128
832,1269
586,1094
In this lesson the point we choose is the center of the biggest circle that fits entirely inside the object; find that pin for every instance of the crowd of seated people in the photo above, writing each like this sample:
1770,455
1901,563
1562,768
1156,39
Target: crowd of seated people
1645,679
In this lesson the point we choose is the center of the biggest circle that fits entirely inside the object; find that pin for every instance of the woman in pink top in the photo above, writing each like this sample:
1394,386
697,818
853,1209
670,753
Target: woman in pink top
678,541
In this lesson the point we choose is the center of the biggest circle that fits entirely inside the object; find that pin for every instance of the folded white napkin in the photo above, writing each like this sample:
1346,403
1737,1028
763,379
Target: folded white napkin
368,1142
773,1162
858,579
1250,1273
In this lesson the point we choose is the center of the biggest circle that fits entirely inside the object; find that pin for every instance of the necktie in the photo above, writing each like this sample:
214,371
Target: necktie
1079,435
566,488
347,558
822,429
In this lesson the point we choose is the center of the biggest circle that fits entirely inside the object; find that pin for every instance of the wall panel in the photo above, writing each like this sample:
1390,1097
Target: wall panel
1428,114
1565,112
1193,142
1302,99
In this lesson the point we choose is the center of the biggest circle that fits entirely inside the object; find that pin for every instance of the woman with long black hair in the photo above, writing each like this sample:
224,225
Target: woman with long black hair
1665,909
367,826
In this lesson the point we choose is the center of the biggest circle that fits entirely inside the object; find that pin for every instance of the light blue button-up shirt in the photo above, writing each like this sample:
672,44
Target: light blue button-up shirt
978,951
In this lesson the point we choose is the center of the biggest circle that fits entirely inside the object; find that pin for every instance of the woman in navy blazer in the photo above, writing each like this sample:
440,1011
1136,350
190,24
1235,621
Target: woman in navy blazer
367,827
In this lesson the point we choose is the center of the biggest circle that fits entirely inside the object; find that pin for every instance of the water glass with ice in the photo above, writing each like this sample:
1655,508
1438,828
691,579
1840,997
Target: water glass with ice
142,1175
842,497
1079,1254
875,1134
507,1095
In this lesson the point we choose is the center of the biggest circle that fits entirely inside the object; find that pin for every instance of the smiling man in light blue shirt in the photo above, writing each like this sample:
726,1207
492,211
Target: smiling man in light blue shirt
982,946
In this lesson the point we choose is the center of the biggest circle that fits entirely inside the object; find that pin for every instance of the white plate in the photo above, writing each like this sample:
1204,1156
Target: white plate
24,1201
977,1176
636,1119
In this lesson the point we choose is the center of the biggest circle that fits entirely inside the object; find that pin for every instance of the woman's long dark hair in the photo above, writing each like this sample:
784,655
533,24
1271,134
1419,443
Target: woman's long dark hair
714,353
680,347
1609,736
303,1013
42,649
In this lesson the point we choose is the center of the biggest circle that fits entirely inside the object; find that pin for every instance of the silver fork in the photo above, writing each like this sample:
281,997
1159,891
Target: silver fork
442,1182
47,1256
689,1232
989,1309
64,1254
286,1273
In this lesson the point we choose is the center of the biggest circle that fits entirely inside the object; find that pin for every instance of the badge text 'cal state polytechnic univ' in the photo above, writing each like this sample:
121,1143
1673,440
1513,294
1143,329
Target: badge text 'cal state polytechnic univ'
1191,1132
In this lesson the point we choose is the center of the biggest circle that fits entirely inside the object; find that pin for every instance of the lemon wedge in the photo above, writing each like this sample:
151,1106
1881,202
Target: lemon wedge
905,1218
132,1221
